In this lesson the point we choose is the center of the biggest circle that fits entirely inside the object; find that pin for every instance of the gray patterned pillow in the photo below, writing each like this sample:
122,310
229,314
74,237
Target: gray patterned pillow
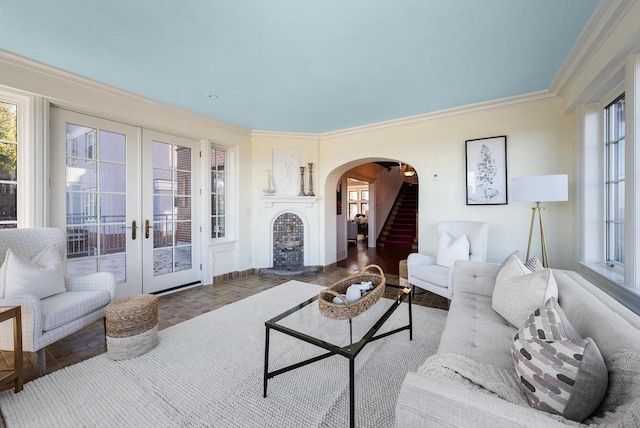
548,323
564,377
533,264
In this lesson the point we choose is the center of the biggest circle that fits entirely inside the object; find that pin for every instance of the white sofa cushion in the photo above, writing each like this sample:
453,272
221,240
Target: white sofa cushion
451,249
63,308
518,291
43,276
433,274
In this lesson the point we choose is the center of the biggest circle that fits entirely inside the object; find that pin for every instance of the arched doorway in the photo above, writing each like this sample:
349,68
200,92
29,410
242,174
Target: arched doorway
383,180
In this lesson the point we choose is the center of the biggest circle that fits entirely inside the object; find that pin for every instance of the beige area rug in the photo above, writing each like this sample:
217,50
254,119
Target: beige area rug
208,372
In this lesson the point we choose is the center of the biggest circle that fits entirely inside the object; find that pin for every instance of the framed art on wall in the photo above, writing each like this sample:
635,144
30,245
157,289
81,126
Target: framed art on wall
486,180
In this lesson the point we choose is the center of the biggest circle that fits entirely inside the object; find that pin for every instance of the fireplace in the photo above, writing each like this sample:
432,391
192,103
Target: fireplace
288,242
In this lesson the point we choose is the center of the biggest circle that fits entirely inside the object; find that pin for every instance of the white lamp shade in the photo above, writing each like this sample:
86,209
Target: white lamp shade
540,188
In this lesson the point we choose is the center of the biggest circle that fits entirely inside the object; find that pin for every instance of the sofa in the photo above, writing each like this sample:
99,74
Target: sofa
471,380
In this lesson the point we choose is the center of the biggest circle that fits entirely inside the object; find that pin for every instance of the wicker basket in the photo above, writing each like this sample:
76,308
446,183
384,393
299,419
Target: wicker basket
349,310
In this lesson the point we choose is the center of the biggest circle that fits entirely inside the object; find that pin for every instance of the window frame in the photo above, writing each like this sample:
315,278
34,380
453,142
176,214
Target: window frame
29,194
612,180
213,193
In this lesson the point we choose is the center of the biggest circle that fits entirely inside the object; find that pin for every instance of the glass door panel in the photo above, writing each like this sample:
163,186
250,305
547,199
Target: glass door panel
95,170
128,202
96,200
171,208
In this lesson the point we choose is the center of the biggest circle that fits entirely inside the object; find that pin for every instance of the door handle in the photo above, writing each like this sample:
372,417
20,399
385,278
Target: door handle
146,229
133,228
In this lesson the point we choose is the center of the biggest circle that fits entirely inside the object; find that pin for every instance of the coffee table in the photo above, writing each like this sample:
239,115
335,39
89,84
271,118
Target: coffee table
338,337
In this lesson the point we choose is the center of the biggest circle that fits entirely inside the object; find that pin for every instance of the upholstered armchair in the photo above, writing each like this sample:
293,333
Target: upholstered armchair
433,273
34,265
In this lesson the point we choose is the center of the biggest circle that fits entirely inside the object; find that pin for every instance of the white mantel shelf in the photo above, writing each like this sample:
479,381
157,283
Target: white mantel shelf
308,201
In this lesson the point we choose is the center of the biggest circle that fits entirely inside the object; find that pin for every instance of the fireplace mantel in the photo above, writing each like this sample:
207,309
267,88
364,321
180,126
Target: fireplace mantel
308,201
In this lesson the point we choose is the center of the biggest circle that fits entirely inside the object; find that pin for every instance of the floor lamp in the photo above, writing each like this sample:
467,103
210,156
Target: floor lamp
538,189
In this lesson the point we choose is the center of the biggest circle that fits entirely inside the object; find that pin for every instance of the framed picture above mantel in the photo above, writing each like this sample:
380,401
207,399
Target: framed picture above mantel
486,160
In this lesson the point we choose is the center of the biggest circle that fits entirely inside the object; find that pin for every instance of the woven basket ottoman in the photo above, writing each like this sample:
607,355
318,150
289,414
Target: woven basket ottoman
132,326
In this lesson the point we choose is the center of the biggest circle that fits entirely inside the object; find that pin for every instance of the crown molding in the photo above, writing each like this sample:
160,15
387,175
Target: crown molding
603,21
484,106
102,89
284,134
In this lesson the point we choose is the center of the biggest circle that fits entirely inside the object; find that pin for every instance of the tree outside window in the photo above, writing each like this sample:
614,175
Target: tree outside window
8,165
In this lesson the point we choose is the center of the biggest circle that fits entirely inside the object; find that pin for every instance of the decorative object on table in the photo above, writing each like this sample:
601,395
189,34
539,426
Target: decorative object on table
270,190
302,182
346,310
132,326
538,189
310,180
486,179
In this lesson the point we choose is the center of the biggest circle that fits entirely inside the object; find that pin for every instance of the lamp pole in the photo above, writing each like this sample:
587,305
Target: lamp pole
543,243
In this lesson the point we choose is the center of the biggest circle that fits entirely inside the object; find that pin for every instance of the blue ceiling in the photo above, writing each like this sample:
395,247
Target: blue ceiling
301,65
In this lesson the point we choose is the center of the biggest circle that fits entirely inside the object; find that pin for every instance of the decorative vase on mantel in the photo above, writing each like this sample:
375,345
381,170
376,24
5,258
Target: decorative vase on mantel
310,180
302,182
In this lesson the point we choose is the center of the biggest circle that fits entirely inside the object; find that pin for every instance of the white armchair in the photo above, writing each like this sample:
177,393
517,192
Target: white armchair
47,320
425,273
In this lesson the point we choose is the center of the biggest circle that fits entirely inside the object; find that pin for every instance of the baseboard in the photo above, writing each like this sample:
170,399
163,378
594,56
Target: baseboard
253,271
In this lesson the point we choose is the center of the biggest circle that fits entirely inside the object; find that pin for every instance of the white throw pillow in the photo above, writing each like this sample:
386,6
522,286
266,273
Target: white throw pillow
450,250
43,276
518,291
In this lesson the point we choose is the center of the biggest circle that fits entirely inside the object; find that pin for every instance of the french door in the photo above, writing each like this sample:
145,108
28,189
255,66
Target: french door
129,202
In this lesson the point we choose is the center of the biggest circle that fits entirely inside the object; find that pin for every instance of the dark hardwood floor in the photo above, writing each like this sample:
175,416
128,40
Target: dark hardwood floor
359,256
186,304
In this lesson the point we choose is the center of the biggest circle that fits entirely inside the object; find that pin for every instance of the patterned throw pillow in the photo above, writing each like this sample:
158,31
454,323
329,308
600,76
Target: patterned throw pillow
548,323
533,264
564,377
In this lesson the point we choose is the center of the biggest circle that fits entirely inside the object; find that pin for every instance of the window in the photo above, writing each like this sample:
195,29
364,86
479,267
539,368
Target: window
614,182
218,192
9,140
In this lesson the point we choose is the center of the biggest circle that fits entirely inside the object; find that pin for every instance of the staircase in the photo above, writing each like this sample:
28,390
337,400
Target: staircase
399,230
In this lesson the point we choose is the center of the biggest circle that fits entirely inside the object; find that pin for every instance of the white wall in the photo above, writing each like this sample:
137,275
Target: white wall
540,140
263,215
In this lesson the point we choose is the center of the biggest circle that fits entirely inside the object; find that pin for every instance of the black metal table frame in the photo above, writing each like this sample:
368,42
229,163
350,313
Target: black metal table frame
349,351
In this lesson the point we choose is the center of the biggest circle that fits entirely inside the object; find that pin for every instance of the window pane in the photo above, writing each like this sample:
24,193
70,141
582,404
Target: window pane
81,174
8,122
81,141
111,177
82,208
8,202
183,158
218,190
615,184
8,161
112,147
161,155
113,208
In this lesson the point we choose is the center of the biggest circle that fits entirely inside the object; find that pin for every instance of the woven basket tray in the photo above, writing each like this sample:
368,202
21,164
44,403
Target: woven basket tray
349,310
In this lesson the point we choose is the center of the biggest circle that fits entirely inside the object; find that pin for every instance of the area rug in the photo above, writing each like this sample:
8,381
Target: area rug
208,372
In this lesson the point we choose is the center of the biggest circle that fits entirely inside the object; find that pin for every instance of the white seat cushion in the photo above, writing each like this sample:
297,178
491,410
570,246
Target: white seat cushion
63,308
433,274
